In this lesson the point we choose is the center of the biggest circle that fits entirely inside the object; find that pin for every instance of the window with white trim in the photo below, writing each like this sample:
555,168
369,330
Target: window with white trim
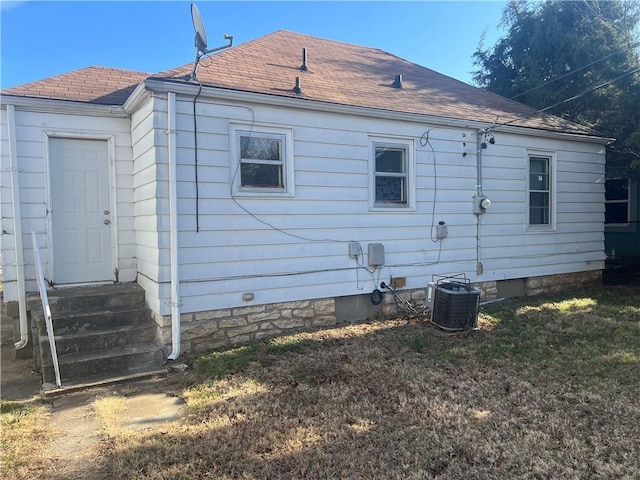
261,161
540,190
392,170
617,198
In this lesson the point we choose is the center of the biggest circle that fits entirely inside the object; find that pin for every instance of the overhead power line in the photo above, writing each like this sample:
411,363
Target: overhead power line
544,84
575,97
592,89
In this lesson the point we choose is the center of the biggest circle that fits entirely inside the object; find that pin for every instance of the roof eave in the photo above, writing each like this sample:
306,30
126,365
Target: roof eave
180,87
53,105
137,98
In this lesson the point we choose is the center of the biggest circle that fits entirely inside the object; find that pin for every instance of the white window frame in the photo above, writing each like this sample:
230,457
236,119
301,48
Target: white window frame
406,144
265,131
551,158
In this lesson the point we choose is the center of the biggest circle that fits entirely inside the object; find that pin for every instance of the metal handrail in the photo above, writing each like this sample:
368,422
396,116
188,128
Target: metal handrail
47,310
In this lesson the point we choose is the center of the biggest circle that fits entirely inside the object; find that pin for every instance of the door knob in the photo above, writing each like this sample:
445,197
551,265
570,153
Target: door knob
107,221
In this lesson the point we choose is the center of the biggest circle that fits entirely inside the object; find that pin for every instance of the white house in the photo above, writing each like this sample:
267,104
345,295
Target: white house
281,187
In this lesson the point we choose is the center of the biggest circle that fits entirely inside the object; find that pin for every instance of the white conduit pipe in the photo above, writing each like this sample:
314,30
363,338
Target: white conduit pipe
173,228
479,139
17,227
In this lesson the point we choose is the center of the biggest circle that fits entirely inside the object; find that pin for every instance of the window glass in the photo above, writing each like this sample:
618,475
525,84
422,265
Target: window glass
617,201
539,190
616,213
261,175
617,189
390,160
261,161
390,175
260,148
390,190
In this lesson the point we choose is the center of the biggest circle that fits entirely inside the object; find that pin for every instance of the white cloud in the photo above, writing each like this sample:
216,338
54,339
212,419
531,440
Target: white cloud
9,4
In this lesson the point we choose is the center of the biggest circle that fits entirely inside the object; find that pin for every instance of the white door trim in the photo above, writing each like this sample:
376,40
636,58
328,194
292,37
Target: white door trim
83,135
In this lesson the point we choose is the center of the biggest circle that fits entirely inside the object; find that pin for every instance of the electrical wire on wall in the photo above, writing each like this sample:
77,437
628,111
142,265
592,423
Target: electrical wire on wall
426,142
359,258
195,149
313,271
255,216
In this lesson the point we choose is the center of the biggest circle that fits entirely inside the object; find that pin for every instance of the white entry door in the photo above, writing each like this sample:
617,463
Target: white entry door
80,210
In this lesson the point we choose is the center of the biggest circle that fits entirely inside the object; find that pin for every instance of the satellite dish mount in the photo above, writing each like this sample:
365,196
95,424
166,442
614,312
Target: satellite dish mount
201,40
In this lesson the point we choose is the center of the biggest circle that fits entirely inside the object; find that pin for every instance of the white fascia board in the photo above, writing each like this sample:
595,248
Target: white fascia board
533,132
137,98
164,86
50,105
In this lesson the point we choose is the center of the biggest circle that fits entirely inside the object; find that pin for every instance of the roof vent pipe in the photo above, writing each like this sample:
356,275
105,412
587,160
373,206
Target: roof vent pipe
398,82
304,67
297,89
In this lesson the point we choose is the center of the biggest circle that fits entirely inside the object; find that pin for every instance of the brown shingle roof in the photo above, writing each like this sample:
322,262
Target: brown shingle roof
338,73
101,85
353,75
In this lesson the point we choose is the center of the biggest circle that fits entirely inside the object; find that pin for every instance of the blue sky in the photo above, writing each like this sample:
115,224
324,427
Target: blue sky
42,39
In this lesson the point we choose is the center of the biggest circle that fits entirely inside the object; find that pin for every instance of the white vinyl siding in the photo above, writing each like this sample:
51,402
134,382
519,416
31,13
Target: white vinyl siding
288,248
285,247
32,134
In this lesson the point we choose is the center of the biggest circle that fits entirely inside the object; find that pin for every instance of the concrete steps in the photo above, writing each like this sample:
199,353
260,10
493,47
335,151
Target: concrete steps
100,332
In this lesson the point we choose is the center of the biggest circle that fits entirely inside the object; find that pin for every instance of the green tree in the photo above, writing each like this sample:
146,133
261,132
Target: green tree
579,60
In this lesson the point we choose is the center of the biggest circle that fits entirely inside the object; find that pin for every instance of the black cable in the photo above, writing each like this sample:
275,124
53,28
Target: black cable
195,142
575,97
597,87
424,141
264,222
548,82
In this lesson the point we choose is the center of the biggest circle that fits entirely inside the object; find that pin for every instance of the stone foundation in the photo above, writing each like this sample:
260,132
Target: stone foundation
218,329
562,282
215,329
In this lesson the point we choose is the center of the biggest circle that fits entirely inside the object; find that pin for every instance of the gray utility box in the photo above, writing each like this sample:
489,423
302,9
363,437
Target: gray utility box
455,306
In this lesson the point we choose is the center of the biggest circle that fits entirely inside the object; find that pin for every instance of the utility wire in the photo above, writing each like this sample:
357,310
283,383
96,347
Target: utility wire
544,84
593,89
575,97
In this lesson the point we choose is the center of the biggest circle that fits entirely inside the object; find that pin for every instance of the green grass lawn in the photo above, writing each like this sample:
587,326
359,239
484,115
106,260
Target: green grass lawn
545,388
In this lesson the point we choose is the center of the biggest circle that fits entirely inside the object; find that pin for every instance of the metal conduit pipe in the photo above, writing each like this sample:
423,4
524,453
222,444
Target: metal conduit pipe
173,227
479,147
17,228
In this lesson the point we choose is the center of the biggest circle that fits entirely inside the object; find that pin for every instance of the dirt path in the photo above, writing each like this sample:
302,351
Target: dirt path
79,431
77,437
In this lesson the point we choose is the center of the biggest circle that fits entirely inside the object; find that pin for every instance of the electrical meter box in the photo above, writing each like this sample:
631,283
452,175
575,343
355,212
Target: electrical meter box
376,254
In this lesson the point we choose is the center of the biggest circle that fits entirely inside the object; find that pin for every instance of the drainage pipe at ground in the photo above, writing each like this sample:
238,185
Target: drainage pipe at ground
173,227
17,228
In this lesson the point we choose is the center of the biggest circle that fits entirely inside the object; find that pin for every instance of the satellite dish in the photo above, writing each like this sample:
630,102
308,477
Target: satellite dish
198,26
201,39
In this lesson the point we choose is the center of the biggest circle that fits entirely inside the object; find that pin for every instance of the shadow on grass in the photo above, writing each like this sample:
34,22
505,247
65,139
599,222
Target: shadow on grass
405,400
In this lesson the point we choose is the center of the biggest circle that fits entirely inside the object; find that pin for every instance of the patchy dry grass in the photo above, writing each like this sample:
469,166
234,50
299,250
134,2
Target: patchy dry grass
544,389
23,434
